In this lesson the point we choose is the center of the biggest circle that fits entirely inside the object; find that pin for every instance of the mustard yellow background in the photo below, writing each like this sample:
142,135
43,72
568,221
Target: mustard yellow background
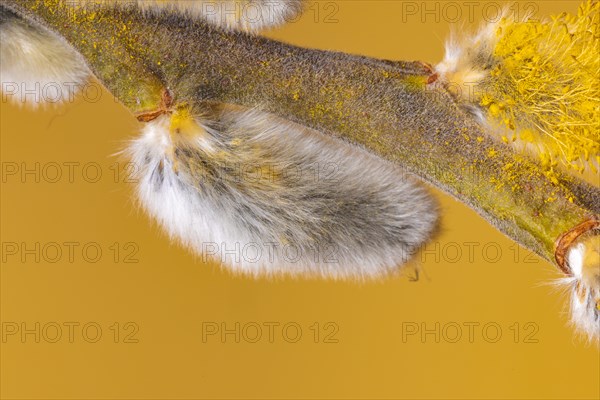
169,294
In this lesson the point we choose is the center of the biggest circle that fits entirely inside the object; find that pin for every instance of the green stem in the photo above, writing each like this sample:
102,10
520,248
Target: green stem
387,107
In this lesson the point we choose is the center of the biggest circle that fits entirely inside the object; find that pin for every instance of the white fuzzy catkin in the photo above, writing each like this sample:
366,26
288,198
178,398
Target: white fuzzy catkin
245,15
267,197
37,67
584,285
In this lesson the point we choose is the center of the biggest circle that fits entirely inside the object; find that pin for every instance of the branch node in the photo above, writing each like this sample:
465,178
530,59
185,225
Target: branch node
566,240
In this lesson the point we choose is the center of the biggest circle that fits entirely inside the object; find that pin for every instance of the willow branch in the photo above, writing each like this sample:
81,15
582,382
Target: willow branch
394,109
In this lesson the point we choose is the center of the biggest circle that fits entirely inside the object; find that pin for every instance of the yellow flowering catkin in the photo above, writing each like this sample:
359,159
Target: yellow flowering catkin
544,86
